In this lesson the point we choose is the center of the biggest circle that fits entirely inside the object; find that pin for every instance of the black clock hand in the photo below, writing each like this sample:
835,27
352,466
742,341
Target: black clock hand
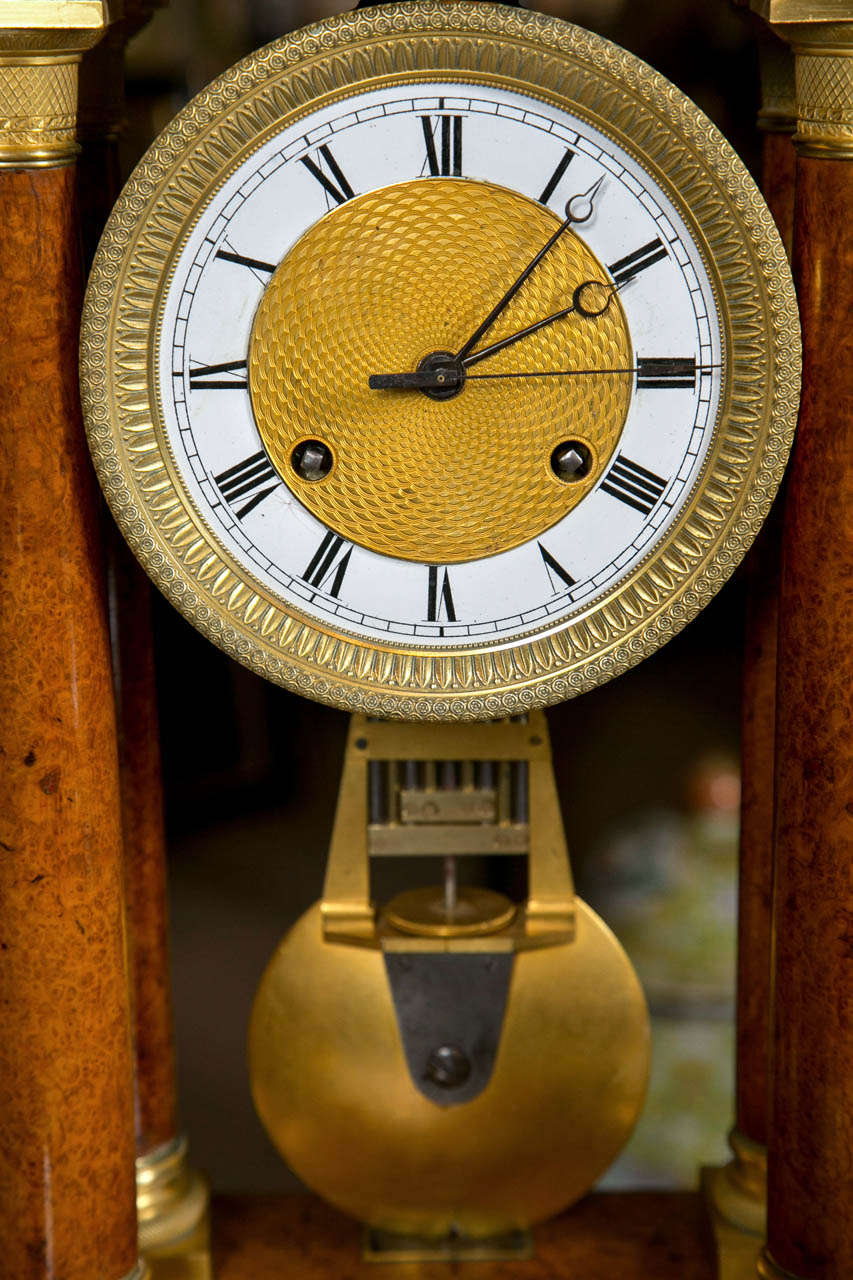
674,372
582,307
448,375
578,209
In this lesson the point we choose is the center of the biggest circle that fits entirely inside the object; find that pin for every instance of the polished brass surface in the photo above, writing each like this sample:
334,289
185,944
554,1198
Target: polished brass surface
478,43
382,1246
173,1208
738,1190
429,805
348,914
767,1269
778,110
803,11
331,1084
374,286
737,1250
41,44
448,839
425,914
820,33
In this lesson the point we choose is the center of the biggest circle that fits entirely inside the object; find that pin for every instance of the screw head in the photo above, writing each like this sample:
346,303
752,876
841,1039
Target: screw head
312,460
448,1067
571,460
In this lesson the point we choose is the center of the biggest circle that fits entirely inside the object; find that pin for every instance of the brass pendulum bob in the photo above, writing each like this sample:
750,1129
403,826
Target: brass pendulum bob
454,1068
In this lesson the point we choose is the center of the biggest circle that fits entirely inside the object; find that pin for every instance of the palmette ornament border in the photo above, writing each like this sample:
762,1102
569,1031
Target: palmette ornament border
675,143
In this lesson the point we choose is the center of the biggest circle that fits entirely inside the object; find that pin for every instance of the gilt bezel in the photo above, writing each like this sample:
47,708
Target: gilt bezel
511,48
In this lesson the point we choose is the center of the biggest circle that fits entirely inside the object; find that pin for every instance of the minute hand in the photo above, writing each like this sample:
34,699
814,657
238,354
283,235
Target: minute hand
577,304
578,209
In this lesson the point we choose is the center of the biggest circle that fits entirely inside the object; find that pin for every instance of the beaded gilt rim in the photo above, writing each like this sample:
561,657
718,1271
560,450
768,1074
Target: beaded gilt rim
569,67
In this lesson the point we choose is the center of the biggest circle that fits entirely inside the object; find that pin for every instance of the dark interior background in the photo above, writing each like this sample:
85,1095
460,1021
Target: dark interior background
251,771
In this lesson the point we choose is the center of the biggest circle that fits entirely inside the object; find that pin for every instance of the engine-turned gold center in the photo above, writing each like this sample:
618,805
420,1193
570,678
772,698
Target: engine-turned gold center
379,284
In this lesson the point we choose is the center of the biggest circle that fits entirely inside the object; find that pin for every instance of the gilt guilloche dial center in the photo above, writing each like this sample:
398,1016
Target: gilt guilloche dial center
398,279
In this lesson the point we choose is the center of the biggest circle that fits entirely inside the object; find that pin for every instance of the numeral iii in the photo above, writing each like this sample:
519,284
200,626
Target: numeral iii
666,371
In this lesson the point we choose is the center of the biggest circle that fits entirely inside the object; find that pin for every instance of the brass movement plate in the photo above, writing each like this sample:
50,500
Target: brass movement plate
427,481
507,48
423,912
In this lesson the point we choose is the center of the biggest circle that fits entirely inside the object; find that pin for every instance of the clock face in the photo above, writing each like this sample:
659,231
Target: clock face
439,518
357,463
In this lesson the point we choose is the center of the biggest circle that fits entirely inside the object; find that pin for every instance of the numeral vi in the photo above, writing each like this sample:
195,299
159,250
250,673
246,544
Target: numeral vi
439,596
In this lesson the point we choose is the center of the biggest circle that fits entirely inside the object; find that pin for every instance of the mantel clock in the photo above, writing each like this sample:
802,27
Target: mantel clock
440,362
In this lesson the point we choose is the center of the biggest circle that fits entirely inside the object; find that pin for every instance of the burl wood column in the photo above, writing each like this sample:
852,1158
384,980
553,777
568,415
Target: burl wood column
141,788
67,1189
171,1198
810,1140
777,119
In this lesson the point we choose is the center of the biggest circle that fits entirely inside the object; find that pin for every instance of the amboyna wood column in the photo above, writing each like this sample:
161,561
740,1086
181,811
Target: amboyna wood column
743,1198
67,1188
172,1199
810,1140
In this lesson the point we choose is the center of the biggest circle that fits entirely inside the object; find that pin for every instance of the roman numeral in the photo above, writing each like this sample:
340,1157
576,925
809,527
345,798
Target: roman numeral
202,377
328,560
247,479
446,162
633,484
666,371
555,569
439,596
254,264
340,193
633,263
556,176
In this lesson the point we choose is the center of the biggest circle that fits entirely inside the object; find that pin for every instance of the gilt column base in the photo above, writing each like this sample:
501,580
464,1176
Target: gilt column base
173,1208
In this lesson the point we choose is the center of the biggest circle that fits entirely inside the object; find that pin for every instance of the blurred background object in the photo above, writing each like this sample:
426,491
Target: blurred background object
646,766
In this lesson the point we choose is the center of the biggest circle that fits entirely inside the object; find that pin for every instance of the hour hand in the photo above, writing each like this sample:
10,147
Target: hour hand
440,375
417,380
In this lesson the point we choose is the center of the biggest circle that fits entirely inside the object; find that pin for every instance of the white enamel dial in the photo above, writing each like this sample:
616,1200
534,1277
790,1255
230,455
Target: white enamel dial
372,140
